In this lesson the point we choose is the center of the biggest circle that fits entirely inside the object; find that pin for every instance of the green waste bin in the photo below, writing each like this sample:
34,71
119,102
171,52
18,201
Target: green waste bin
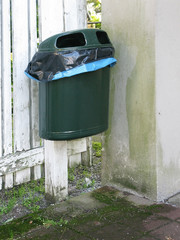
73,91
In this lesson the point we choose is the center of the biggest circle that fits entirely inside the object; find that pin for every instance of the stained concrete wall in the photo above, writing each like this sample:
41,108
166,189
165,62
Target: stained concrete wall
141,152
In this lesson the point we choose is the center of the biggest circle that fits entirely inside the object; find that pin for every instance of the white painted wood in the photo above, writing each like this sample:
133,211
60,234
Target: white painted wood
1,182
74,160
37,172
50,18
22,176
51,21
21,101
0,82
87,156
75,14
9,180
76,146
56,165
21,160
6,78
34,86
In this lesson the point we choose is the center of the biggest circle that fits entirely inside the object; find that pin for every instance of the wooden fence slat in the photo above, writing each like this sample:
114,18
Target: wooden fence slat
37,172
0,82
35,139
76,146
9,180
22,176
21,160
1,183
6,78
51,18
51,21
75,14
20,81
74,160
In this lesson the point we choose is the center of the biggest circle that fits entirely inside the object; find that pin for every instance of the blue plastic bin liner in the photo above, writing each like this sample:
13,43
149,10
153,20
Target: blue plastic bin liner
89,67
48,66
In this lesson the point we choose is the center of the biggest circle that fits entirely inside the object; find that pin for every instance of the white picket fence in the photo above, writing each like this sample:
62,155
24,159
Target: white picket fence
21,150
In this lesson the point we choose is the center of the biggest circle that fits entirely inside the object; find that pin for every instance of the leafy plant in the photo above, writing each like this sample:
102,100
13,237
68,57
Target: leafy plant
48,223
97,147
82,184
94,13
71,176
86,174
7,207
26,194
96,4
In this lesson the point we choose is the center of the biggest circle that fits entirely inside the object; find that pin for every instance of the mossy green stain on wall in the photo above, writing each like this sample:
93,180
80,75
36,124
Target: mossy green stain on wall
140,105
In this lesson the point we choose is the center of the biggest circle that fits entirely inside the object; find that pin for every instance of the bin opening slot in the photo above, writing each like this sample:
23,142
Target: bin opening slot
71,40
102,37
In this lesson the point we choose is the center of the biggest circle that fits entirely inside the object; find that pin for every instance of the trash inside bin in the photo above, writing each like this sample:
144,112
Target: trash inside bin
73,72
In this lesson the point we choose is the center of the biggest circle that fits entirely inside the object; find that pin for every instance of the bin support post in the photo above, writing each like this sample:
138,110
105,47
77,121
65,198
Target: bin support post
56,170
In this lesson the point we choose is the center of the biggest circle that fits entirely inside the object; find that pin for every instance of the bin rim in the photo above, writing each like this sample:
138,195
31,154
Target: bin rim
49,44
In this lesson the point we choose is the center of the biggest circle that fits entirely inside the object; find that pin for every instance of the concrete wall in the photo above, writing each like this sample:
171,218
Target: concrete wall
168,96
141,145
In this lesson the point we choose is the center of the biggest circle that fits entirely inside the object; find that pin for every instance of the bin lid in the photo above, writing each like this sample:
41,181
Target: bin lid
70,53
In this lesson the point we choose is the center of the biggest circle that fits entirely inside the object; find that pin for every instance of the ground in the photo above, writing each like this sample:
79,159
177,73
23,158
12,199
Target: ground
91,212
30,197
103,214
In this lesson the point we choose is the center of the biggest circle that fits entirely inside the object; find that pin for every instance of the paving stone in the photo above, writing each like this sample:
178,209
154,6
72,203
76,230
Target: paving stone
92,226
53,233
173,214
153,222
116,232
167,232
175,200
147,238
86,202
136,200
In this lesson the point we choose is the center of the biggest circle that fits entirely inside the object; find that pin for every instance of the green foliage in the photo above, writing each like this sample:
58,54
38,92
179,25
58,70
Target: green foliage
71,176
26,194
82,184
86,174
96,4
6,207
48,222
97,147
94,13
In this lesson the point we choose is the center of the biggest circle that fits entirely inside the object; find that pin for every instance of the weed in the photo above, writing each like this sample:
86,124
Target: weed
97,147
82,184
48,223
71,174
7,207
26,193
86,174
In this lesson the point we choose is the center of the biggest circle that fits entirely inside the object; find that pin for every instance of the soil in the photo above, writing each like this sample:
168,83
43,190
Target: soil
82,179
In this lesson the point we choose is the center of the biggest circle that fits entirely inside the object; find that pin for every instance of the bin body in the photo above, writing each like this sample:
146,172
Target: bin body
74,107
73,71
